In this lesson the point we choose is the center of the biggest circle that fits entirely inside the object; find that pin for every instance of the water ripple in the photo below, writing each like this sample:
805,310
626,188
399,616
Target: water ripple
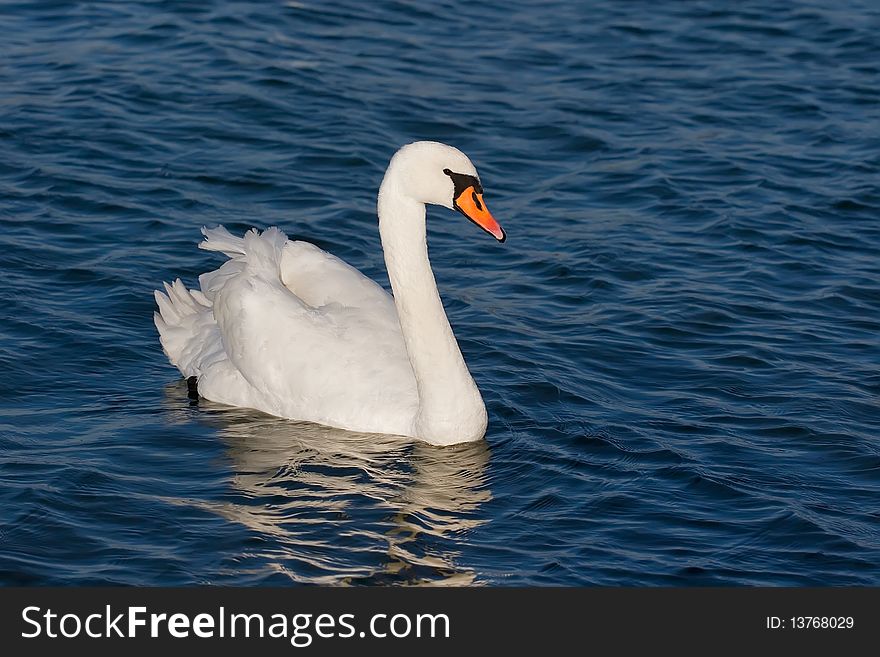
677,345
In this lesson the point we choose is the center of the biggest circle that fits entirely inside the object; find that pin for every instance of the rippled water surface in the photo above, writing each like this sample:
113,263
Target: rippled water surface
678,344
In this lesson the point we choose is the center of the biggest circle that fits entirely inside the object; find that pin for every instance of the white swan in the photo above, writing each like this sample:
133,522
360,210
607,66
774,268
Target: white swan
293,331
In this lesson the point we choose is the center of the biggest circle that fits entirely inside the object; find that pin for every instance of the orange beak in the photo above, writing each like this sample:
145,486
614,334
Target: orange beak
471,205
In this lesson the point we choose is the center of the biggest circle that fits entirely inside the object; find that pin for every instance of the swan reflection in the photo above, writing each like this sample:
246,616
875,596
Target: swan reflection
338,507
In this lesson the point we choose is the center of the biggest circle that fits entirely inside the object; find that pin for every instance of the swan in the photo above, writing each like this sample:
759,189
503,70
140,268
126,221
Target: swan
291,330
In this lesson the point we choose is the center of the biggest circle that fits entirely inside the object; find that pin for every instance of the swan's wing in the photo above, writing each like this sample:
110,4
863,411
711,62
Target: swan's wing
314,276
335,365
341,363
319,278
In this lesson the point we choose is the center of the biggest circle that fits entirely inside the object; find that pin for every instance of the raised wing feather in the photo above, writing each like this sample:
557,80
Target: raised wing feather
334,355
332,365
319,278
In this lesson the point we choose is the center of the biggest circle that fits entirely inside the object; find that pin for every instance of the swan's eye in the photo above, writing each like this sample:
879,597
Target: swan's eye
462,181
476,201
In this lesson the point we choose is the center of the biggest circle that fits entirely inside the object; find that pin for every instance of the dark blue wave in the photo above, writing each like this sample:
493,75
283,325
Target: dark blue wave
678,344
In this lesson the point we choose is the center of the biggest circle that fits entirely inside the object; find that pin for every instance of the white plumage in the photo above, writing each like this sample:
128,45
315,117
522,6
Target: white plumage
289,329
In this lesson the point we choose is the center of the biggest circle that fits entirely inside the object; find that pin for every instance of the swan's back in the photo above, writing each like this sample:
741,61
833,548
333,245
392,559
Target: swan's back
289,329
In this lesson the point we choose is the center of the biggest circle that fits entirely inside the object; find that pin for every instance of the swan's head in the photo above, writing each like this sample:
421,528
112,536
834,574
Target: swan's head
431,172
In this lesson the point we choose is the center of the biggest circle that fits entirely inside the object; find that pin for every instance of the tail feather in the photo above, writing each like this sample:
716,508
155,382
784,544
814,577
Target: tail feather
201,298
187,329
186,325
166,308
184,301
160,323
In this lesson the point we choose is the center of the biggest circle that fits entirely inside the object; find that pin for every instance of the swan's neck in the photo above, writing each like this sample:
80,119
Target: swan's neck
450,406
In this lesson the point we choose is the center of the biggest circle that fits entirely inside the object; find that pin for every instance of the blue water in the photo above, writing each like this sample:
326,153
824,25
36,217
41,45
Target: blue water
678,344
